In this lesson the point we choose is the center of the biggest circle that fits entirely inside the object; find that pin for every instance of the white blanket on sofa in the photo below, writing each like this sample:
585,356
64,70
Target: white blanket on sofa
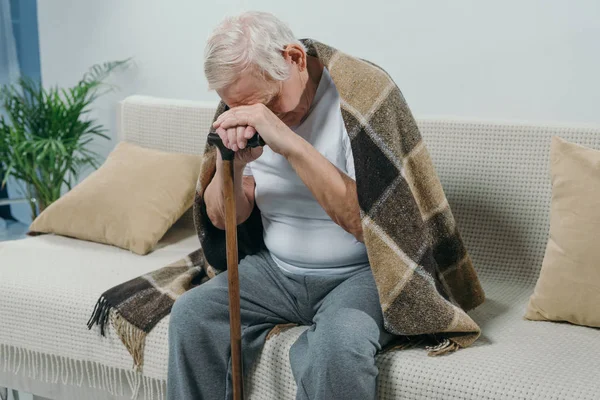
514,358
42,276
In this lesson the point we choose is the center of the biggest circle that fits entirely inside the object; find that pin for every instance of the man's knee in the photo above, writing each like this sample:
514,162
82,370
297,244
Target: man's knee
195,307
347,332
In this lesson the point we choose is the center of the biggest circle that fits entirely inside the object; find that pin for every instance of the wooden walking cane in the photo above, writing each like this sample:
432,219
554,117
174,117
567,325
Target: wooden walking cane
232,259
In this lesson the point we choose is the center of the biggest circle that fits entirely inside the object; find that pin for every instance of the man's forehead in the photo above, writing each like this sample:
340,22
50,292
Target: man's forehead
247,89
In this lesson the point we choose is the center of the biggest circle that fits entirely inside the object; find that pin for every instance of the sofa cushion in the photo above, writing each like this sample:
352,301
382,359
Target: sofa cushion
568,288
129,202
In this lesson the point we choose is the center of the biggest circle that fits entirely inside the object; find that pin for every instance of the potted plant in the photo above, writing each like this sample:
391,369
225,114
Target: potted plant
45,133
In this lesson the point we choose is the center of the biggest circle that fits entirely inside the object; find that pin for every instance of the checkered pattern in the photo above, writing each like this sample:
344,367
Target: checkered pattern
424,276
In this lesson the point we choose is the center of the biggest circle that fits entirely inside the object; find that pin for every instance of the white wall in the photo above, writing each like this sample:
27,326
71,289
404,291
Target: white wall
534,60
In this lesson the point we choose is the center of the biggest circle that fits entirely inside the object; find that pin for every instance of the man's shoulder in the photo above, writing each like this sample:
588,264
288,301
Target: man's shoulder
376,66
329,53
350,73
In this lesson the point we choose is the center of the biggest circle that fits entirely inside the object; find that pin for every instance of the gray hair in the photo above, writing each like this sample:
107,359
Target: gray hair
252,39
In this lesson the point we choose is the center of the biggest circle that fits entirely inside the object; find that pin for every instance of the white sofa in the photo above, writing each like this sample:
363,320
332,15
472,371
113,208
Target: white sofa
496,178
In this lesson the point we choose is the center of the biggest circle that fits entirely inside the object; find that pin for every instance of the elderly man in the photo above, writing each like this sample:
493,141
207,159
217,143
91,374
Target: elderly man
302,214
315,269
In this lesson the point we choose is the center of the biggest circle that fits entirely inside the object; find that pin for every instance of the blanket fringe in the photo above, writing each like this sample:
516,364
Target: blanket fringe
443,346
51,368
100,314
132,337
446,346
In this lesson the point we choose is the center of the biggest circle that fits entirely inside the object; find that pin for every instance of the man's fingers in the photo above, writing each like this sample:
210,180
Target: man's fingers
225,115
236,136
223,135
232,139
241,115
249,132
241,140
236,120
221,117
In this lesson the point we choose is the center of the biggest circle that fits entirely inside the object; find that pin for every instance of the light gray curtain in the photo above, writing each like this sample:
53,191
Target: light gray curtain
9,63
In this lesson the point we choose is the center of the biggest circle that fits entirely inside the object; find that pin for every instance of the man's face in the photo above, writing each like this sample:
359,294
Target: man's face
283,98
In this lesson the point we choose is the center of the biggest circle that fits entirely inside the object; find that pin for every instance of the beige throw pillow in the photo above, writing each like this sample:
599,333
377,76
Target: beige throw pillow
568,288
129,202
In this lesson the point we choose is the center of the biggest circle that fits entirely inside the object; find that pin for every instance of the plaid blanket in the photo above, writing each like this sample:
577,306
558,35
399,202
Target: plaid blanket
424,275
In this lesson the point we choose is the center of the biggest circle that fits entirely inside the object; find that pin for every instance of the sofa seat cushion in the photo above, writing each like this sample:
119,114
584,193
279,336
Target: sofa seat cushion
513,359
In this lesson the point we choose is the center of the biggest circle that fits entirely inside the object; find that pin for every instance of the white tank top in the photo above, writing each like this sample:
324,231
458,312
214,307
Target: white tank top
300,236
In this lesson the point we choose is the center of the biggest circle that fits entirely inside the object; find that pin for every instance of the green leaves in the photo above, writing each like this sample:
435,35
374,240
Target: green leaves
46,134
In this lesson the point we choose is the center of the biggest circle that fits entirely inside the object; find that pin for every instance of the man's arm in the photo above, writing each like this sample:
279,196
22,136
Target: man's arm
244,195
333,189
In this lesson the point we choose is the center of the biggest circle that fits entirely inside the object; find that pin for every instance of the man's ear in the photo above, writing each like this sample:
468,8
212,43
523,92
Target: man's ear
295,54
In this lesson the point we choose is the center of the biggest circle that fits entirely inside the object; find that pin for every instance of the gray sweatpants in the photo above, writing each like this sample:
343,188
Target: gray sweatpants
333,359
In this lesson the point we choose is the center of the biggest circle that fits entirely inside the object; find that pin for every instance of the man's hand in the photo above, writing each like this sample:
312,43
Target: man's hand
235,139
238,124
242,156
